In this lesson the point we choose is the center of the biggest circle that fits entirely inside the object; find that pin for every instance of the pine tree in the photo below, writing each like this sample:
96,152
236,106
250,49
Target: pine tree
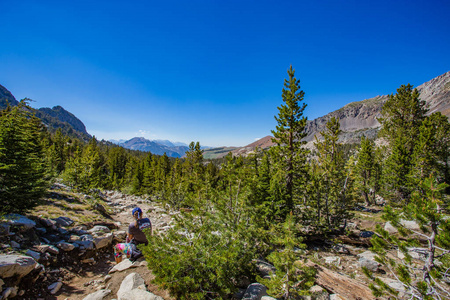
365,169
292,278
288,136
330,197
22,174
402,115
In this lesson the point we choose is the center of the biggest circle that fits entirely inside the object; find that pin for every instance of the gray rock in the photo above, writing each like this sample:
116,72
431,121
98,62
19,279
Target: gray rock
255,291
41,230
88,261
416,253
53,250
411,225
264,268
318,293
122,266
99,229
369,264
55,287
19,265
98,295
103,241
49,223
336,297
138,294
333,260
19,221
65,246
10,292
131,282
389,228
33,254
120,235
4,229
368,255
268,298
88,245
15,245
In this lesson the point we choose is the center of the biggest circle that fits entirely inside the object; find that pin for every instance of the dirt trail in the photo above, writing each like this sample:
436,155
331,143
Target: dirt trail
79,285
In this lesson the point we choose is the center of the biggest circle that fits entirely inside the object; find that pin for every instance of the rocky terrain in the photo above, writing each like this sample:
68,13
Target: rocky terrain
63,250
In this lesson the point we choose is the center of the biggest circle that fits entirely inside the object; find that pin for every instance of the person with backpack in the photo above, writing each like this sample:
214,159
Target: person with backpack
136,236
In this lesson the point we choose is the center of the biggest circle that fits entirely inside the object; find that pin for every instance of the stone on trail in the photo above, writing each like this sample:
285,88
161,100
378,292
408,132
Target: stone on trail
55,287
33,254
65,246
138,294
99,295
19,265
131,282
390,228
122,266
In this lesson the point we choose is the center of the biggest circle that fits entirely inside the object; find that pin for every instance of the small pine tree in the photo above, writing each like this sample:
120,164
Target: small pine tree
426,279
292,278
365,169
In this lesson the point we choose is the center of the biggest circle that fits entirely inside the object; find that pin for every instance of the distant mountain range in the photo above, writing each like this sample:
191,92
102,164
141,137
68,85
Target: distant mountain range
356,118
158,147
54,118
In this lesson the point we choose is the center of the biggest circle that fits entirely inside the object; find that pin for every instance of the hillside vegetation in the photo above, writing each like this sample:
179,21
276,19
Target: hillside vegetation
269,205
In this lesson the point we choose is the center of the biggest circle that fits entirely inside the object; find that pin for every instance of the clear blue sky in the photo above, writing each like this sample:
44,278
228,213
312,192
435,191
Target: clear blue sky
213,71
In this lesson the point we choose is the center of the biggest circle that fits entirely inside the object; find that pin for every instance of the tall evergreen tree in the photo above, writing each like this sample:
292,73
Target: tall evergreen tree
290,131
22,173
402,115
366,169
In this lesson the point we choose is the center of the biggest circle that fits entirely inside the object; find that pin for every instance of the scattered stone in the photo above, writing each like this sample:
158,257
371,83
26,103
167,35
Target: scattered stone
88,245
122,266
390,228
10,292
411,225
99,229
139,294
318,293
99,295
41,230
268,298
107,277
62,231
88,261
103,241
4,229
416,253
20,265
53,250
55,287
100,208
369,264
49,223
65,246
15,245
20,221
264,268
33,254
336,297
255,291
131,282
73,238
120,235
366,234
333,260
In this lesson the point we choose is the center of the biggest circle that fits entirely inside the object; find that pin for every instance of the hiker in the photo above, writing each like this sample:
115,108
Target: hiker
136,236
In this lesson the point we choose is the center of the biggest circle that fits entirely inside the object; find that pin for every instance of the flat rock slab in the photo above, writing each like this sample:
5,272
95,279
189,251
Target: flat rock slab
19,221
131,282
19,265
99,295
122,266
138,294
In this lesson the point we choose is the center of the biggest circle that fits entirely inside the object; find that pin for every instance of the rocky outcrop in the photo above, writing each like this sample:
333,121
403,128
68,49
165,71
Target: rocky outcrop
360,118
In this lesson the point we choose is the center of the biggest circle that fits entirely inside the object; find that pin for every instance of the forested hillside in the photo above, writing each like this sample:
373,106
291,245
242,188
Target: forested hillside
268,205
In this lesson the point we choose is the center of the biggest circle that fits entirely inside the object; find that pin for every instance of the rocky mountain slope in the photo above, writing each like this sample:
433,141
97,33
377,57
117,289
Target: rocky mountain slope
155,147
358,118
53,118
